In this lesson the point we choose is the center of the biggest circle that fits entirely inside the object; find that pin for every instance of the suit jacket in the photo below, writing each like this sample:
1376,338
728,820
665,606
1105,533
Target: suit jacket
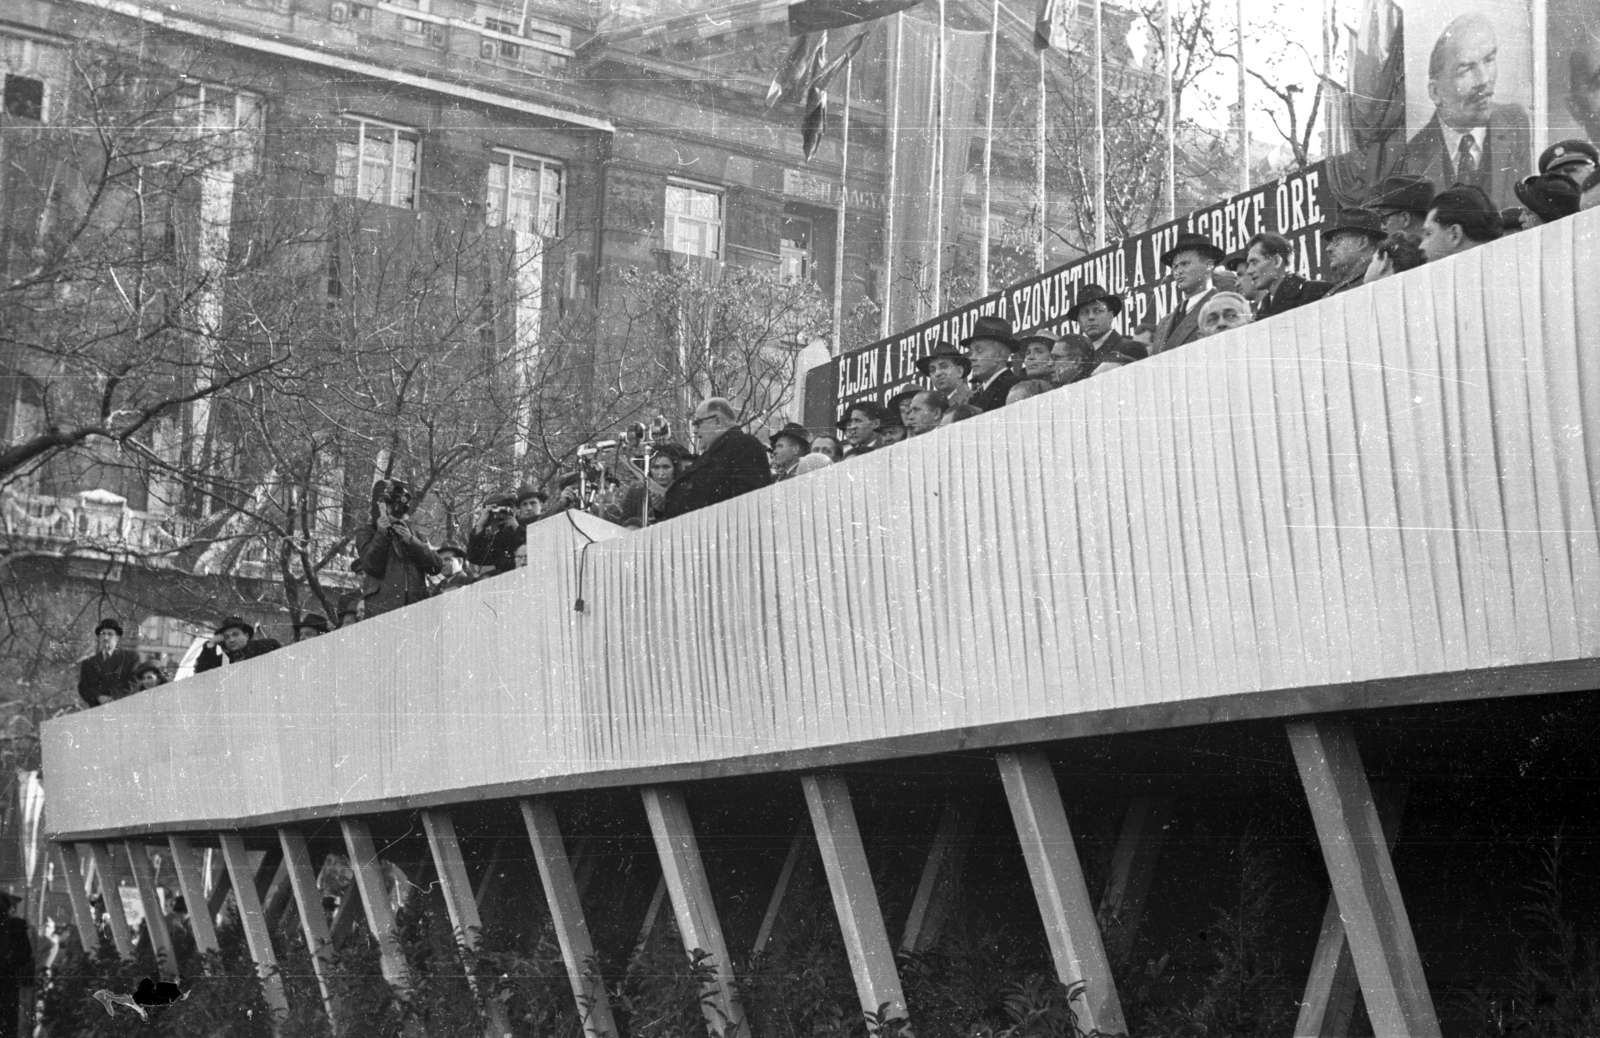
1506,155
210,657
1291,291
1119,349
1178,329
107,675
735,463
1355,280
994,397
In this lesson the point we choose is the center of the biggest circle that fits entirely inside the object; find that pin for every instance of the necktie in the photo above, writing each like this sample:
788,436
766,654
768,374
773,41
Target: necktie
1466,158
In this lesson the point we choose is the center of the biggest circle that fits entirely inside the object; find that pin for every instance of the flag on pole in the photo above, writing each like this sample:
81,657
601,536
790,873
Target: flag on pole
818,15
1051,24
815,122
789,84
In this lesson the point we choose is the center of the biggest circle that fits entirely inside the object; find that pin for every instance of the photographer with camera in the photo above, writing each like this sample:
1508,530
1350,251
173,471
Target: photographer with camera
395,561
494,539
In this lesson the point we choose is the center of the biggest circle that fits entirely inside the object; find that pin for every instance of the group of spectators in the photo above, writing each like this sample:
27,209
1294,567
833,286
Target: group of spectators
1407,222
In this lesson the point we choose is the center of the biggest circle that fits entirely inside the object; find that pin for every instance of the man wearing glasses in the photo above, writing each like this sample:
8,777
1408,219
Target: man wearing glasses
731,462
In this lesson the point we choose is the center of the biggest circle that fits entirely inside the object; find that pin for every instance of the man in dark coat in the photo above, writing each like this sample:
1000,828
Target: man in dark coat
731,462
1268,259
394,559
107,675
236,640
1348,245
1470,139
1402,203
1191,260
494,540
1096,311
990,348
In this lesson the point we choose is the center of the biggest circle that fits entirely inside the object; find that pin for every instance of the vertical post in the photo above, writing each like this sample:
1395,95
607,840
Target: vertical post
840,213
780,890
155,921
457,890
1069,919
82,913
1133,866
940,873
1244,106
855,902
375,899
256,937
886,290
111,894
1038,172
191,884
938,170
1364,884
566,913
1099,125
313,920
988,153
1167,55
692,905
1539,17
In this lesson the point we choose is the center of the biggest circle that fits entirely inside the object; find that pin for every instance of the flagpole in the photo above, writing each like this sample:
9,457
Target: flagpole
838,231
1100,127
1244,111
1039,139
1172,115
890,253
938,165
988,153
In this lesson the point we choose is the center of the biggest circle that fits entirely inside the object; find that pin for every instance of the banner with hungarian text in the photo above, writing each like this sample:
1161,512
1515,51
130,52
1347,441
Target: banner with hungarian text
1298,206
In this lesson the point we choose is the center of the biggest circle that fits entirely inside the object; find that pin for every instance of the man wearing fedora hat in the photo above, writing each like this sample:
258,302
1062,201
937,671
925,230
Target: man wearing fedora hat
107,675
947,368
1402,202
863,425
235,642
1072,359
1191,259
1547,197
1268,258
990,347
1095,312
1348,245
788,445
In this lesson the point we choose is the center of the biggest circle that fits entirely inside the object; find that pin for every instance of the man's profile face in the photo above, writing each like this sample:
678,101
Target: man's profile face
1347,253
1262,270
708,425
233,639
785,452
861,428
1398,221
1095,319
1583,97
945,374
1191,272
921,416
1464,88
988,357
1439,240
1069,362
107,640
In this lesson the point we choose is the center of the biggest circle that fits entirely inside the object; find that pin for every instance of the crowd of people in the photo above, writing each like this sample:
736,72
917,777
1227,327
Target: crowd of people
1406,223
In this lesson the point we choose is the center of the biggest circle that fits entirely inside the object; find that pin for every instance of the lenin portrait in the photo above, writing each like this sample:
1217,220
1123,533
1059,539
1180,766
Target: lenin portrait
1471,138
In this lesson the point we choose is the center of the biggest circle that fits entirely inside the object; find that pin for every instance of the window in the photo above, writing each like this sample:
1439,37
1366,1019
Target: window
794,249
415,26
229,119
525,193
509,51
694,220
24,97
377,162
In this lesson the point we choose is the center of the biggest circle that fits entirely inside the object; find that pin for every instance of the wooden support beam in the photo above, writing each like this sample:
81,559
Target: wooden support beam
794,864
111,895
155,919
278,893
256,937
313,919
1052,858
346,915
221,887
82,912
1357,856
191,884
375,899
486,884
1133,867
651,914
692,905
1332,987
566,914
941,875
855,902
457,890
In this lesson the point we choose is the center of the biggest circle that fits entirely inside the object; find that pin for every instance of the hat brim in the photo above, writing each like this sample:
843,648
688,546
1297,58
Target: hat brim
924,363
772,441
1215,254
1005,340
1113,303
249,632
1371,234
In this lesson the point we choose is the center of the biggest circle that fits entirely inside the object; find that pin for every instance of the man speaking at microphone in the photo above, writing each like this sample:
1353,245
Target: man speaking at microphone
731,462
